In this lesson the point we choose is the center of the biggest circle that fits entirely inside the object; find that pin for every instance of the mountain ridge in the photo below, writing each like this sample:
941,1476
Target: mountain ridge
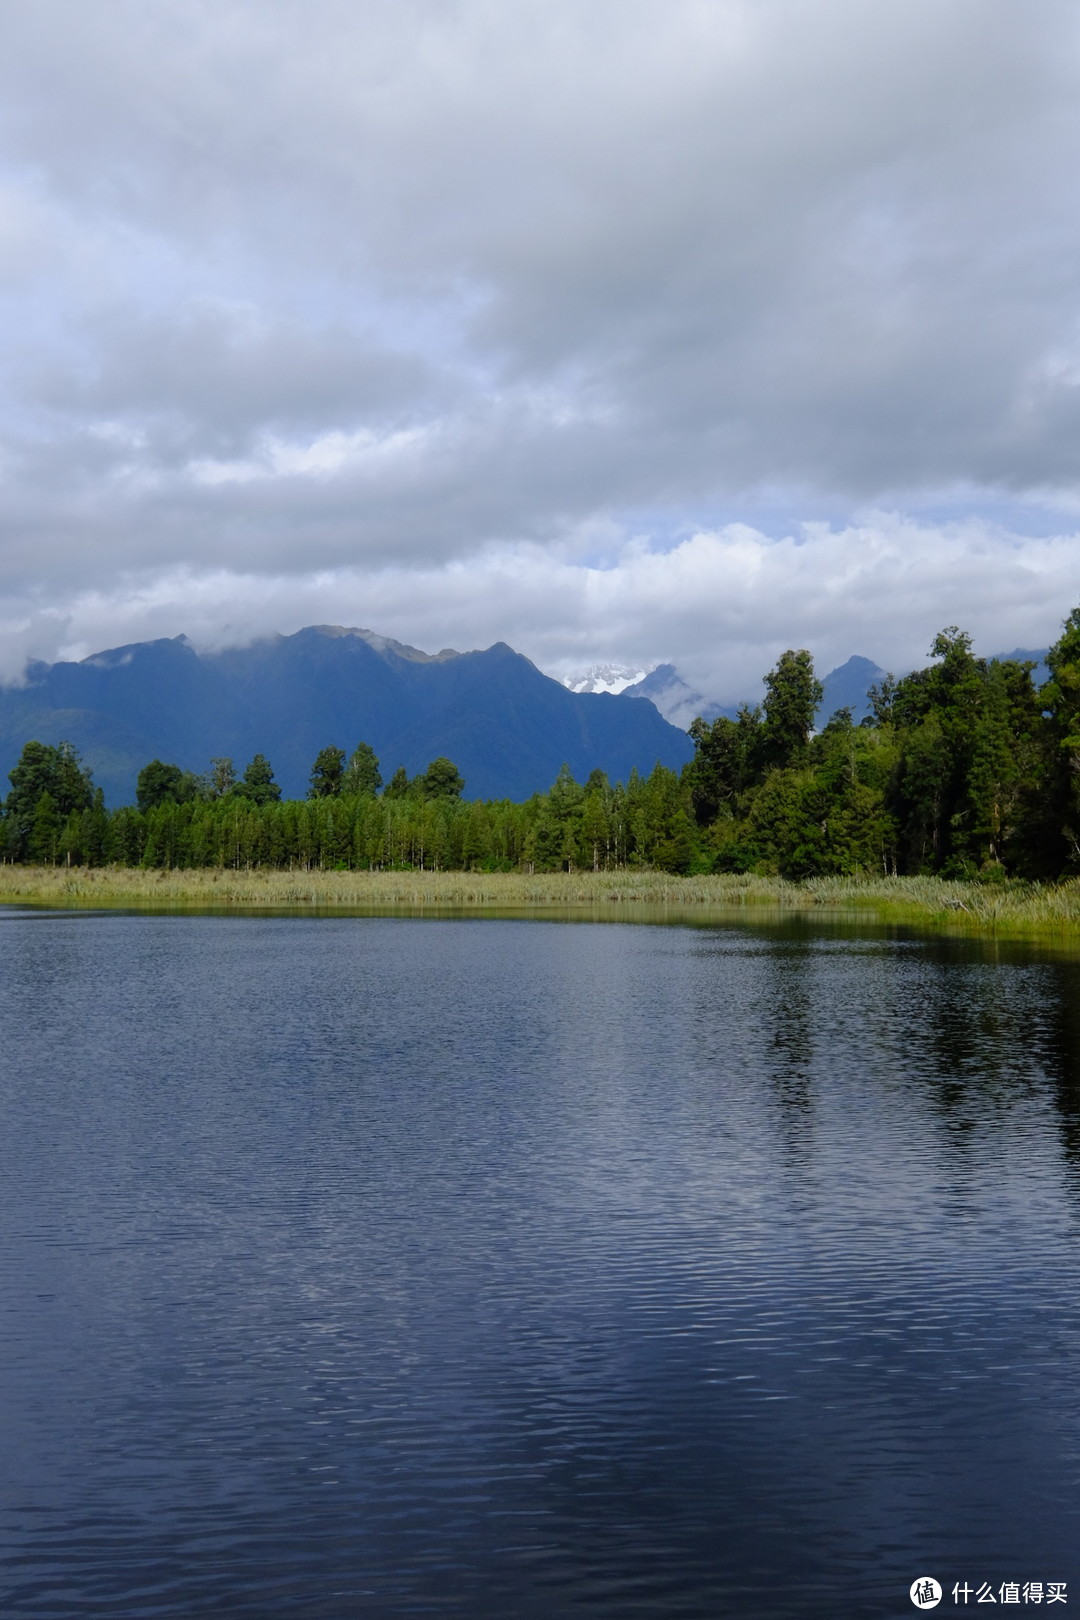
507,726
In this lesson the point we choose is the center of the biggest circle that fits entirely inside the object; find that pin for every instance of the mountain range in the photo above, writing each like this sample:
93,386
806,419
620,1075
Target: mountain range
508,727
846,687
679,703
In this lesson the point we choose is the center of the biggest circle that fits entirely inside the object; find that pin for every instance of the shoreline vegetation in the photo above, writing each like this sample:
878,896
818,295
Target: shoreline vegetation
1010,908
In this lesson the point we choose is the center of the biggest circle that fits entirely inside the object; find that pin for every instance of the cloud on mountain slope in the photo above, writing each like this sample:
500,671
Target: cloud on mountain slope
721,605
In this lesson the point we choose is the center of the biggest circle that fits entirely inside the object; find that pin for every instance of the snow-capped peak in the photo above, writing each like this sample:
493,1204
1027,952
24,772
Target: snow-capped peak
613,678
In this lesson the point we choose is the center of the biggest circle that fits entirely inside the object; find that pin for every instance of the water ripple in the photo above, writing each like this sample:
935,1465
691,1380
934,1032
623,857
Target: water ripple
368,1267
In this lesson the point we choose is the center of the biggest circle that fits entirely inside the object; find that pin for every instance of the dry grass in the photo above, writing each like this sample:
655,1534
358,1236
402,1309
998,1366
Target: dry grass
1012,908
359,890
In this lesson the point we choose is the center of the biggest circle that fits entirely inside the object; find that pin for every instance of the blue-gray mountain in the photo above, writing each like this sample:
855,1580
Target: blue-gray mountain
1037,656
844,688
506,726
847,688
677,702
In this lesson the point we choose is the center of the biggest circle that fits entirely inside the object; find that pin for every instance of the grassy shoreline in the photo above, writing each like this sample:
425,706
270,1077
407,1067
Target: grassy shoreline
1009,908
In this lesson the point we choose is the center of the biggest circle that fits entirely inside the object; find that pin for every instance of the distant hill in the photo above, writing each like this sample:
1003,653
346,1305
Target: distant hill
1028,655
846,687
505,725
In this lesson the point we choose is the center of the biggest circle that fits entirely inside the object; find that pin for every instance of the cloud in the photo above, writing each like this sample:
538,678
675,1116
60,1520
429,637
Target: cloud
721,605
376,301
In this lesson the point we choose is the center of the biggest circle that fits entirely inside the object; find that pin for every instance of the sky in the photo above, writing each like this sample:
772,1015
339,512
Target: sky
619,330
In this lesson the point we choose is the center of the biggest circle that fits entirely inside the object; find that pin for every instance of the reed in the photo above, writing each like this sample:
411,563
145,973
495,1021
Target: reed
1005,908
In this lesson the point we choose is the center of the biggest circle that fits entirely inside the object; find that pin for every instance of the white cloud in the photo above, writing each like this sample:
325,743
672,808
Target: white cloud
721,605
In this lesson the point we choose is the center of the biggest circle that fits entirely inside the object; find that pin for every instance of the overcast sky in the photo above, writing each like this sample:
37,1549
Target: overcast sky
643,330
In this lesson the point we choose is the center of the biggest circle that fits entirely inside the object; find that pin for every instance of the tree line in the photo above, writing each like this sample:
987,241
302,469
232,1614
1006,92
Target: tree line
964,769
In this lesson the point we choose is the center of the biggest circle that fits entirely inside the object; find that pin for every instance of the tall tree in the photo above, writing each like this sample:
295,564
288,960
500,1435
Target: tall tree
158,783
362,777
221,778
327,773
442,780
44,769
792,695
44,831
724,764
257,783
399,785
1061,696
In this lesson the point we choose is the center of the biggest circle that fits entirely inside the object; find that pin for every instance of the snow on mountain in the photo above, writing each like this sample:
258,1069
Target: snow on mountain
507,727
612,678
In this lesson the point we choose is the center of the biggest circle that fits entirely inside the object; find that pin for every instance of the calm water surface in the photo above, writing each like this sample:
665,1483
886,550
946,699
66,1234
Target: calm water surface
374,1267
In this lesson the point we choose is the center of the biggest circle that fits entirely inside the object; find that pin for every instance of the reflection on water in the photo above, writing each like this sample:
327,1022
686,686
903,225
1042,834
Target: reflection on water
494,1268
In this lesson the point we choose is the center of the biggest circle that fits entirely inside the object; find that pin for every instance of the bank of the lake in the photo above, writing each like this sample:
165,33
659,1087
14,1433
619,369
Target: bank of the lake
1012,908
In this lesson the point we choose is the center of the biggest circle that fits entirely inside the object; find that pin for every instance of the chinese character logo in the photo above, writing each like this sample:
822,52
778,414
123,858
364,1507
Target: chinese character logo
925,1592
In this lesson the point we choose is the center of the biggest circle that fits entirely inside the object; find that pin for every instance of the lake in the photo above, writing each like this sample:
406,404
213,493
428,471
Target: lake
384,1267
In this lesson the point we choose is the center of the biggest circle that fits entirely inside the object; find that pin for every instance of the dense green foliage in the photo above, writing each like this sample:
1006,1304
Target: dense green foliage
49,787
961,771
964,769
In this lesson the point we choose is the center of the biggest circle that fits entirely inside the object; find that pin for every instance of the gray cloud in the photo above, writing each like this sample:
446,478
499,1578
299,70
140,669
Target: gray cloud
209,380
372,291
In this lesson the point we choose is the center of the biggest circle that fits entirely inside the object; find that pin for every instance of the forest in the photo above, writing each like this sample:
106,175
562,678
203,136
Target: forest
964,769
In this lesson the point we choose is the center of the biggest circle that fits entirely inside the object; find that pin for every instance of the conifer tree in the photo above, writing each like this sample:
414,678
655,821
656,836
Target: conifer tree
398,785
257,784
327,773
362,778
44,769
792,695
